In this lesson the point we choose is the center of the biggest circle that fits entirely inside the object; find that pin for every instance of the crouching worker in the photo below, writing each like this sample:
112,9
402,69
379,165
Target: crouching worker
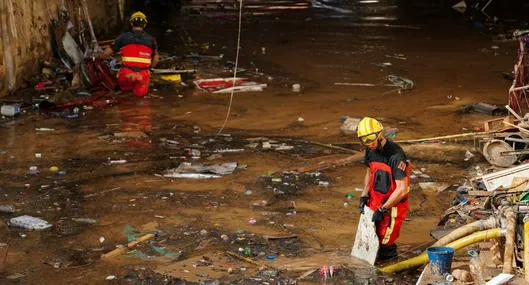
139,52
386,185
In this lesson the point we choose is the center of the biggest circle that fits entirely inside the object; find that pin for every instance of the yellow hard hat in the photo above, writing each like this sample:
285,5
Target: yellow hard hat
138,17
369,127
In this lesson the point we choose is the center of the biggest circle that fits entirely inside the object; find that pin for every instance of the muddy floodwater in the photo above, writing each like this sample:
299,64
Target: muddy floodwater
111,162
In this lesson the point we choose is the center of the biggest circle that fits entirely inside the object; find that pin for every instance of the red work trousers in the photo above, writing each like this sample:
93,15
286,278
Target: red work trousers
388,229
135,81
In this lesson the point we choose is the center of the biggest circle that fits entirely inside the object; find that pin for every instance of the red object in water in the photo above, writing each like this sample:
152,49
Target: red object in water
42,85
135,81
215,84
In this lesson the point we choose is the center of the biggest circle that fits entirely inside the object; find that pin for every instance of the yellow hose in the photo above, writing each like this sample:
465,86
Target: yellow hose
456,245
479,225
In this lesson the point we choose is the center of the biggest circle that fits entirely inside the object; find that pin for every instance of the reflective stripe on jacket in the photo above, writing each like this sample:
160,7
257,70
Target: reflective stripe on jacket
136,55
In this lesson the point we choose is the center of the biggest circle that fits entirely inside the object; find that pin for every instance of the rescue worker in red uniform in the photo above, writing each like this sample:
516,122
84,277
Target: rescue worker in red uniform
139,52
386,185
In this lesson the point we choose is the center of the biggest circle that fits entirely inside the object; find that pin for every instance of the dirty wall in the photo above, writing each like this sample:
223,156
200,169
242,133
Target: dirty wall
25,36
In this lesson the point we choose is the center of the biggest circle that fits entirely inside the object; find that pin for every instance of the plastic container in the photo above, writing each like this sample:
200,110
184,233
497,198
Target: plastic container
29,223
10,110
440,260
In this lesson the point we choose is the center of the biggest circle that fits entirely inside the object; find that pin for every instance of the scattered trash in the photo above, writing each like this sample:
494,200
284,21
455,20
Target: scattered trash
290,183
10,110
111,277
85,220
225,85
296,87
33,170
403,83
29,223
119,161
200,171
461,7
349,125
484,108
9,209
462,275
101,239
502,278
468,155
15,276
192,176
131,134
326,272
44,129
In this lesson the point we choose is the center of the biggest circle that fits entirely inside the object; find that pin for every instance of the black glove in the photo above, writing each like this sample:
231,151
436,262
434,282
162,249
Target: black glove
363,202
378,215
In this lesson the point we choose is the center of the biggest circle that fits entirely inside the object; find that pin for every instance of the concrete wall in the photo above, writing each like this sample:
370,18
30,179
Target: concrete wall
25,36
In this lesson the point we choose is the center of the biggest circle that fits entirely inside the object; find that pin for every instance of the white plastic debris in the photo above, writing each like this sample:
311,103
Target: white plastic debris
111,277
44,129
296,87
502,278
29,223
101,239
468,155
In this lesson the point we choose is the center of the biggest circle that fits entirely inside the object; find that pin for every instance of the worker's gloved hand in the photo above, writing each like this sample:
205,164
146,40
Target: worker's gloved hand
363,202
378,215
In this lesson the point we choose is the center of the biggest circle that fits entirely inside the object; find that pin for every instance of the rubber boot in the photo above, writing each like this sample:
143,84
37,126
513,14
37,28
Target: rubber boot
387,252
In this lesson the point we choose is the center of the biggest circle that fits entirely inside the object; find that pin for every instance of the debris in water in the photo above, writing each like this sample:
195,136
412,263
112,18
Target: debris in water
29,223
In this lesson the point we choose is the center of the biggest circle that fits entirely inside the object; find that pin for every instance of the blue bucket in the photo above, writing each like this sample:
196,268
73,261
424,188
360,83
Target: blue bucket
440,260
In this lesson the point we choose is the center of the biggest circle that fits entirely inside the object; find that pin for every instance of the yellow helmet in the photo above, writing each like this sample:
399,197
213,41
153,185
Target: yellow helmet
138,19
369,129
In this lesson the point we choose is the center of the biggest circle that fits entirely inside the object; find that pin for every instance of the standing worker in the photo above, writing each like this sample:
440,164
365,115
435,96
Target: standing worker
386,185
139,52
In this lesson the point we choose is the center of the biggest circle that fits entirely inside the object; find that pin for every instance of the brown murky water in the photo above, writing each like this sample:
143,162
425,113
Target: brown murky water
442,54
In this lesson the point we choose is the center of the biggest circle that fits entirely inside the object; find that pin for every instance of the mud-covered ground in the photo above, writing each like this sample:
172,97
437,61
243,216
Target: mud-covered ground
198,221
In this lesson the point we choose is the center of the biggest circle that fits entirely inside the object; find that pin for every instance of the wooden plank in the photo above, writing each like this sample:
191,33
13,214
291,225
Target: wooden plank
322,165
130,245
279,237
493,124
480,193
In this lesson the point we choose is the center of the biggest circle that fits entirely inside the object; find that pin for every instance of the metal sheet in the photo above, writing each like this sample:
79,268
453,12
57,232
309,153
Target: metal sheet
366,242
505,177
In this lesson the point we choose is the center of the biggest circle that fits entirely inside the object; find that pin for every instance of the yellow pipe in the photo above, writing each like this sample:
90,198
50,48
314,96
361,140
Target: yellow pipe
479,225
526,247
456,245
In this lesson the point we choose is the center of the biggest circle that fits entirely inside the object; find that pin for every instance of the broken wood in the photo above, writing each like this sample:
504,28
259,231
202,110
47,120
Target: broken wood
516,115
130,245
279,237
232,254
102,192
332,163
523,130
307,273
494,124
330,146
480,193
447,137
